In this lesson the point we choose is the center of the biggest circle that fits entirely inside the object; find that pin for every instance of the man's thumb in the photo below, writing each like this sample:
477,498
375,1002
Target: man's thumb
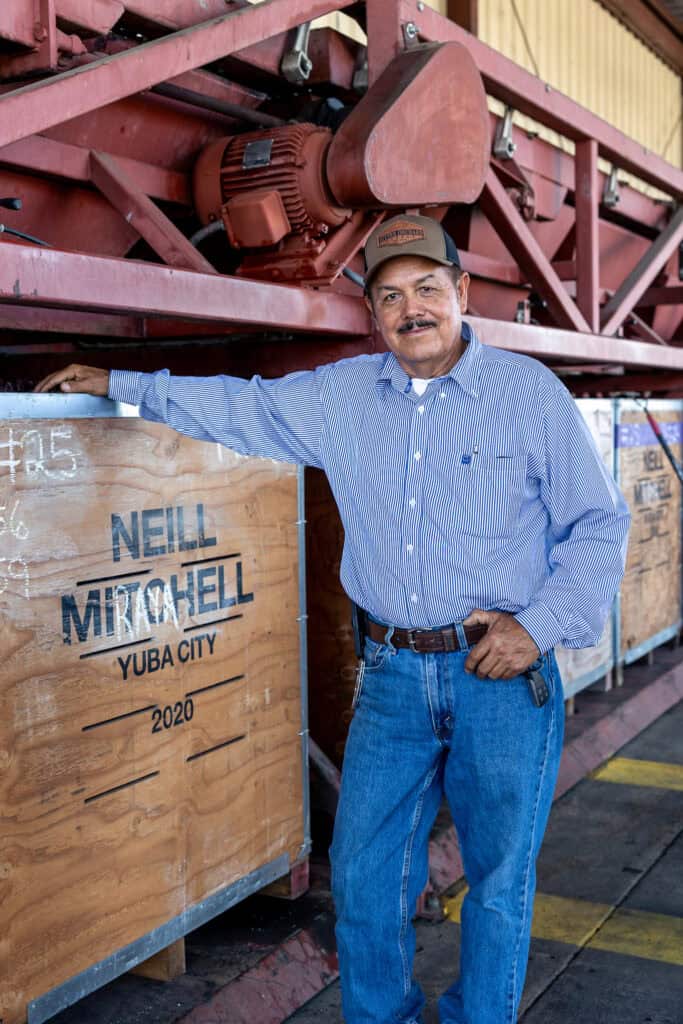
478,617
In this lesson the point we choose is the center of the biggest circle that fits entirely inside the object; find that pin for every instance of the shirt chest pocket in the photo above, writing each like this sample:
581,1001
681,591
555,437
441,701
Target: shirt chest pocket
488,493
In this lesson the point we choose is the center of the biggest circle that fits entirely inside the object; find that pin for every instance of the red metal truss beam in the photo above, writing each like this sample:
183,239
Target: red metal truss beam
671,295
64,321
492,270
643,330
95,17
41,105
525,92
385,35
587,198
17,23
516,236
643,274
566,271
669,384
142,214
50,277
174,14
549,343
64,160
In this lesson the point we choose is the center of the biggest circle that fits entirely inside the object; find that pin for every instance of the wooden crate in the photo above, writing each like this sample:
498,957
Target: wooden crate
650,601
583,667
153,765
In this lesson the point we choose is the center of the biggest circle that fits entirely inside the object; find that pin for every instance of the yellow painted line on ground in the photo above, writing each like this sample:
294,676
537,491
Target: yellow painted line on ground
555,917
598,926
641,773
638,933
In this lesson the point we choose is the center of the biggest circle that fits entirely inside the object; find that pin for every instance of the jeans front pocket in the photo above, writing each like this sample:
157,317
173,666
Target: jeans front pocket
374,654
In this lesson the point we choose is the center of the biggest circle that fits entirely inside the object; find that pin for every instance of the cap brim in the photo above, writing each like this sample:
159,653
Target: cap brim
399,255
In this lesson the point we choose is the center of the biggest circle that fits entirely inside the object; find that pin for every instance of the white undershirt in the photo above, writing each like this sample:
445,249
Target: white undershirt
420,384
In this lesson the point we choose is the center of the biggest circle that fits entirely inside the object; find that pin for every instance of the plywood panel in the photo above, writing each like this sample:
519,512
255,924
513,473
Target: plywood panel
651,590
579,668
150,715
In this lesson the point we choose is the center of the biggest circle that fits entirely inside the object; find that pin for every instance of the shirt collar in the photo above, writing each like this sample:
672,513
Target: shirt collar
465,372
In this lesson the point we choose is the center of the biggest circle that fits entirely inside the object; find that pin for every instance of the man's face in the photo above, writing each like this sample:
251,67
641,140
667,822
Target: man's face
418,309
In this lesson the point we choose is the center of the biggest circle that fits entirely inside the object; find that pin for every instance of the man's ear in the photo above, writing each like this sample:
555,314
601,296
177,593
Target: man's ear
463,288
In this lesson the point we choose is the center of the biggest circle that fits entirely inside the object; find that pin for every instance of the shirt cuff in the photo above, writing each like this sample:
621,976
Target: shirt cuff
541,625
124,386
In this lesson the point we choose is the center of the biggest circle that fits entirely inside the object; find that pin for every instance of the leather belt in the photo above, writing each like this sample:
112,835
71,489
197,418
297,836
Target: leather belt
426,641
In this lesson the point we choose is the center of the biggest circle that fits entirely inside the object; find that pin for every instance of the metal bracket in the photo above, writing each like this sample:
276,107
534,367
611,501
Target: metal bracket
410,34
611,195
503,146
296,65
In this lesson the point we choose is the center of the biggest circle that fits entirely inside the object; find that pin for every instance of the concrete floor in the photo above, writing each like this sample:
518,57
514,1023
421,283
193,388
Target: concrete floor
613,854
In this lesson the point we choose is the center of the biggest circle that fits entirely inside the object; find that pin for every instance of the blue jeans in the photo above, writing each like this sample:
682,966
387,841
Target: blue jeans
423,726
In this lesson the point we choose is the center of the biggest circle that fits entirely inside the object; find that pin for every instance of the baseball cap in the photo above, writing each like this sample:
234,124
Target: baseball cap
409,235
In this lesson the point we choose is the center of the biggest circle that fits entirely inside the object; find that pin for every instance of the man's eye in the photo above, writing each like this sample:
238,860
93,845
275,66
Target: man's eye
391,297
426,290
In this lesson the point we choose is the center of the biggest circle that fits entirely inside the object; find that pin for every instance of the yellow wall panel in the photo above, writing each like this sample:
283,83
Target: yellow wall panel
580,49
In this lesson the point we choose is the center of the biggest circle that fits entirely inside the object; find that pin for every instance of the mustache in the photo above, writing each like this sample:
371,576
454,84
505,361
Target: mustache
410,325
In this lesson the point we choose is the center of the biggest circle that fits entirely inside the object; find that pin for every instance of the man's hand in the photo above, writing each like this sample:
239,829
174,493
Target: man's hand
507,650
83,380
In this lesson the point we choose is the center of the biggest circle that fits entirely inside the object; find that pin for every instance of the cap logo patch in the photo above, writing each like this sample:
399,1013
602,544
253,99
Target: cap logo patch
402,232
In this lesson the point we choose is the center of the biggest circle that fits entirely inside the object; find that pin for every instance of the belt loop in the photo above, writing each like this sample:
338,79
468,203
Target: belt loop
460,633
387,638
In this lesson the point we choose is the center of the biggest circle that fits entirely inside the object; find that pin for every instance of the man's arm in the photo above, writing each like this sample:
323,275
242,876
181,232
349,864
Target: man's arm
588,533
277,419
587,536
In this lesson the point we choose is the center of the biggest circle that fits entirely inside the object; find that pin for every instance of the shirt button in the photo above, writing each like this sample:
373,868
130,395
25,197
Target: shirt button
409,547
442,394
412,502
413,598
420,409
418,455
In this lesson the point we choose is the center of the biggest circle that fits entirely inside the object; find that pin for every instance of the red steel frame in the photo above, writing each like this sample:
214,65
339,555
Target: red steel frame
584,318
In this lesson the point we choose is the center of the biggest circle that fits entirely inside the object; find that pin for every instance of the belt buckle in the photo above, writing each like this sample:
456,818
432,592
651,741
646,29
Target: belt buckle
413,636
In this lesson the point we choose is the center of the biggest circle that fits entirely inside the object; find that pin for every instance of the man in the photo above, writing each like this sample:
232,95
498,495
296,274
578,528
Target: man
481,530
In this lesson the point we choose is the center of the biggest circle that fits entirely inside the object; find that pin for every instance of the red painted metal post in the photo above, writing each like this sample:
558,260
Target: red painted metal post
385,35
515,234
587,241
43,104
643,274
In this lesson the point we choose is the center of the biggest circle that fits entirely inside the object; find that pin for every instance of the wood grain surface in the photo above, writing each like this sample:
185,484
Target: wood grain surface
150,693
651,590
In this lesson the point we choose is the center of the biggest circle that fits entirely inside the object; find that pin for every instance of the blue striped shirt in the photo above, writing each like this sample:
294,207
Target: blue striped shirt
485,492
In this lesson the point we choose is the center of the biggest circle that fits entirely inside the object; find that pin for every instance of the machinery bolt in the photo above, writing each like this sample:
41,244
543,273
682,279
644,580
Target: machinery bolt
420,5
411,30
39,32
